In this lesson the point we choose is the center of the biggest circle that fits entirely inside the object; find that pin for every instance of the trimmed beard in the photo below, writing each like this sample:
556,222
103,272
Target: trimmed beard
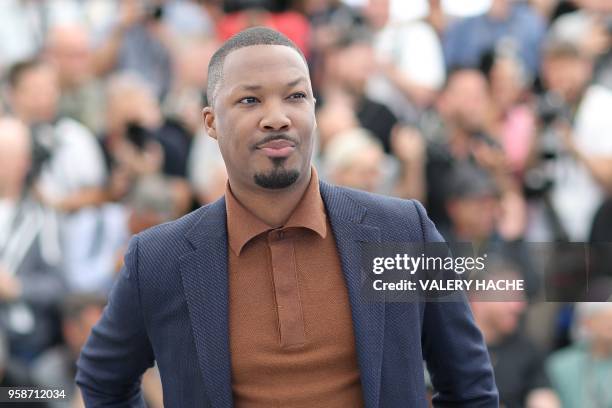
277,178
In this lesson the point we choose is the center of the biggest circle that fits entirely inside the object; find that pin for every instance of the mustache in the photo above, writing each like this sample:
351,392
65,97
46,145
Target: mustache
270,138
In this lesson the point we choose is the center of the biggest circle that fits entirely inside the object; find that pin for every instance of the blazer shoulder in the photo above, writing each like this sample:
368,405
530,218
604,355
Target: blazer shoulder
401,218
388,205
175,227
168,239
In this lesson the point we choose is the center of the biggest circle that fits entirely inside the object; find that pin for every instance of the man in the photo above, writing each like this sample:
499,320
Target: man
409,60
518,363
467,40
138,41
68,172
590,29
68,48
349,65
140,141
55,367
574,144
463,135
214,297
355,159
31,279
580,373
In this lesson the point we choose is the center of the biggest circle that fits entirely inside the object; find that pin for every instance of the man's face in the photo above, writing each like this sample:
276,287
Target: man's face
263,117
71,54
364,173
354,65
475,216
567,76
466,100
36,95
501,317
377,13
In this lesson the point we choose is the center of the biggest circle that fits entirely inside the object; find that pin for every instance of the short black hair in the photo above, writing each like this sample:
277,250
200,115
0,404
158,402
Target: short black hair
245,38
454,70
19,69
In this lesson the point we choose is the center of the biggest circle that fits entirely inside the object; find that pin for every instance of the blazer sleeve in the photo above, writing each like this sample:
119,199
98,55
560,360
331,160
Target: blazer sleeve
118,351
453,347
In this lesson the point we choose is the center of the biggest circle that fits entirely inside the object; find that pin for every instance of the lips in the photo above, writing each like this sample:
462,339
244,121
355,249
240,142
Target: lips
276,144
277,148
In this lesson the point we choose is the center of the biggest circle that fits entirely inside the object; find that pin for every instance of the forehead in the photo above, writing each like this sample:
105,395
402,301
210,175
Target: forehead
263,63
37,72
357,48
562,59
68,36
468,81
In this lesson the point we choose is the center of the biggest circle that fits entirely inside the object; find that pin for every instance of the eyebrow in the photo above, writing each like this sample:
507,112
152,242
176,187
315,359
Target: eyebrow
258,87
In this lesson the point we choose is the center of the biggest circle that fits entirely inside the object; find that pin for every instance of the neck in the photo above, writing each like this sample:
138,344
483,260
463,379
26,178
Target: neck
274,207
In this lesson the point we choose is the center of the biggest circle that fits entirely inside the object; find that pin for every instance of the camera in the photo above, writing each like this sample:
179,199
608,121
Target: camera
138,135
44,143
153,10
155,13
539,179
551,109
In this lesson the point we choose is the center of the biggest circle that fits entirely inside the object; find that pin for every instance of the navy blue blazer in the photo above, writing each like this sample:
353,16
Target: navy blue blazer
170,305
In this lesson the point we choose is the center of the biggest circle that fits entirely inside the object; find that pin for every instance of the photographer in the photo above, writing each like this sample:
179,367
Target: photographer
138,41
573,153
68,173
31,282
590,29
465,135
139,141
67,159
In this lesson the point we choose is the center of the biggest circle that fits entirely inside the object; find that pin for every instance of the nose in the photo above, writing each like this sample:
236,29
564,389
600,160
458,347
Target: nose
275,118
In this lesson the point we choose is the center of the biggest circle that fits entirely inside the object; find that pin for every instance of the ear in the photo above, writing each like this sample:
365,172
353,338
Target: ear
209,122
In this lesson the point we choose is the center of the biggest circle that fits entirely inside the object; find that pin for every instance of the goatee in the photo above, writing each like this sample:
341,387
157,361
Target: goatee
277,178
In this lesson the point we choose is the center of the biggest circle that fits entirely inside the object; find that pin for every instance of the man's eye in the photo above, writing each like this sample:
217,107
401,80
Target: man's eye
298,95
248,100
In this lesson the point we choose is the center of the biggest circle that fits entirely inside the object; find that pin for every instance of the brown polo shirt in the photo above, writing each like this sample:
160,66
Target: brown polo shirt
290,328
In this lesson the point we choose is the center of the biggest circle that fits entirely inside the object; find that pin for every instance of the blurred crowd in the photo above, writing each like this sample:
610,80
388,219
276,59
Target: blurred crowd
495,114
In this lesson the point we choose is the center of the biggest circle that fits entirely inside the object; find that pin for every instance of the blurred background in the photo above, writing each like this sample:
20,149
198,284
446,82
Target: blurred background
496,114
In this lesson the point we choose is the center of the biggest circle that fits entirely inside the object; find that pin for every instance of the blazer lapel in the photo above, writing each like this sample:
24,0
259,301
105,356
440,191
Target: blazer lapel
205,282
346,218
